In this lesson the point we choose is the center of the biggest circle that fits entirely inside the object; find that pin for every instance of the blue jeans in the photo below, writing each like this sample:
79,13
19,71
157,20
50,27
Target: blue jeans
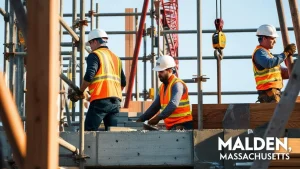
186,126
102,109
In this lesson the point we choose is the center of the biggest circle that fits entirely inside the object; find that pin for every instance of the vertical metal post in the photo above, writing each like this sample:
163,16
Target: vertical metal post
74,54
19,86
97,17
145,65
137,94
6,28
92,15
284,32
199,65
296,22
219,77
82,58
153,62
12,47
158,49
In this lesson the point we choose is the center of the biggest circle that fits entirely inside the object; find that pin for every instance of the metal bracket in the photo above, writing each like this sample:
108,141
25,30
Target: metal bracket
200,78
83,22
150,57
91,12
9,54
76,23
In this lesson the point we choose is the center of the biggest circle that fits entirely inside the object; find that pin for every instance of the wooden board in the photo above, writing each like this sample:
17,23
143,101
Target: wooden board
213,115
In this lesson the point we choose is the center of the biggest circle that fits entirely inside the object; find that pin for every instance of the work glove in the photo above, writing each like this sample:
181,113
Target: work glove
74,96
290,49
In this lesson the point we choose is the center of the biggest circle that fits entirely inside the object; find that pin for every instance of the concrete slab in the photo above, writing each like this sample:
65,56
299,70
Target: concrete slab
90,148
206,153
145,148
234,135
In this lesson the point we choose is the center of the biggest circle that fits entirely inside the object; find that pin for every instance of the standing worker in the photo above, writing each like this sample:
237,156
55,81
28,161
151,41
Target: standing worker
267,70
105,80
172,99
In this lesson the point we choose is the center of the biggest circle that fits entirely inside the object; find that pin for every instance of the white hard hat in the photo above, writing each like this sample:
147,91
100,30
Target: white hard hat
164,62
96,33
267,30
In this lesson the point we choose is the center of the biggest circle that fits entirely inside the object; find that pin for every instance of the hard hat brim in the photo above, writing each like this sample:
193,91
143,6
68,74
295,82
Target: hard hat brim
158,69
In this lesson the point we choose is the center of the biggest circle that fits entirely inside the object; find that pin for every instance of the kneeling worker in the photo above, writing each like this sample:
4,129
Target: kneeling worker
172,99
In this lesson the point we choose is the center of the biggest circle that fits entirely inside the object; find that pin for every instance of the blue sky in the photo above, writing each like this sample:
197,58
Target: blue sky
236,74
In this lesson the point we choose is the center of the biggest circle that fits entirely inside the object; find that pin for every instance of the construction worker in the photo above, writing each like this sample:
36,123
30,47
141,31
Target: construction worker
267,70
105,80
172,99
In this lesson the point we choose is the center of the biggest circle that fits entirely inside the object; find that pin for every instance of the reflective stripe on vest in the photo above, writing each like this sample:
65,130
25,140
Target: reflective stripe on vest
267,78
183,111
107,82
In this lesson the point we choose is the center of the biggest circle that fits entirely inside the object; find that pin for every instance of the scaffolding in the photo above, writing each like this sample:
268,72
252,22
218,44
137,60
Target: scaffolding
163,13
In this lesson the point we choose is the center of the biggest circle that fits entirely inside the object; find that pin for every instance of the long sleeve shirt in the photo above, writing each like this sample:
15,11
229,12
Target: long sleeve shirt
263,61
177,92
93,65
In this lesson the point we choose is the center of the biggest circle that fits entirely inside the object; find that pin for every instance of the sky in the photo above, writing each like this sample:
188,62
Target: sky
237,75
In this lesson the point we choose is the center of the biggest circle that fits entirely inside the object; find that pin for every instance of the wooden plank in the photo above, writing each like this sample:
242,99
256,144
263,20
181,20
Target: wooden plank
293,162
42,84
294,143
213,115
129,43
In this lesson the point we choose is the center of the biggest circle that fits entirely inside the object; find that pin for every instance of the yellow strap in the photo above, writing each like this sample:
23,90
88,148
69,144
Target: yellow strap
181,114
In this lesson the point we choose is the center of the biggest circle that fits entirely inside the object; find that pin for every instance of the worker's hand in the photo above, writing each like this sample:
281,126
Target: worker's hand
153,121
290,49
74,97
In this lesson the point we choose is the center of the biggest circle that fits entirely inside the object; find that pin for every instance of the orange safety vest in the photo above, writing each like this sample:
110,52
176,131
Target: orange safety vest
183,112
107,82
267,78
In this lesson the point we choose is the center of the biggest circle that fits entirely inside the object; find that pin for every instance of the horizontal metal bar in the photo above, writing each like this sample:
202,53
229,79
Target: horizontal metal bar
107,14
109,32
183,31
25,53
213,31
122,58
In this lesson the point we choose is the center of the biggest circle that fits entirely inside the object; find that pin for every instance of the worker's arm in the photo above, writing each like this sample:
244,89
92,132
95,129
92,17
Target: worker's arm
151,111
123,79
263,61
93,65
177,91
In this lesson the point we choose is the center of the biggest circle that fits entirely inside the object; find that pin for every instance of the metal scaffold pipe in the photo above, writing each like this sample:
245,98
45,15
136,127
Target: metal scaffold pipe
21,15
296,21
199,65
70,31
12,123
108,14
284,32
82,60
136,52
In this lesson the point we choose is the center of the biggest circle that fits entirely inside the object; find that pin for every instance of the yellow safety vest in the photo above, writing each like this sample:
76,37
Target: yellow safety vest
183,112
267,78
107,82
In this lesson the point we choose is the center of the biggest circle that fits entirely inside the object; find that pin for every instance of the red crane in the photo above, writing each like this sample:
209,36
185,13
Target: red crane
169,21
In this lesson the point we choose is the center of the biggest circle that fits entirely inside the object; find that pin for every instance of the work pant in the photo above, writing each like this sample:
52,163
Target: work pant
269,96
183,126
103,109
